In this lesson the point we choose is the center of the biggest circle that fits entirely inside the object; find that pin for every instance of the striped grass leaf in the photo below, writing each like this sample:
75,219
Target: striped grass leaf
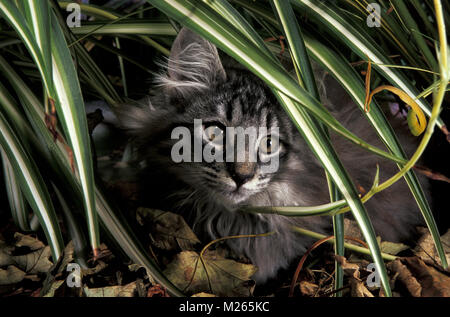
110,15
17,203
89,70
137,28
37,13
212,26
71,111
32,185
16,19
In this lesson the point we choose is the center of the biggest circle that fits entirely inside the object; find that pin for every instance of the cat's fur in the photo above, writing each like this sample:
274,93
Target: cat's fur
198,86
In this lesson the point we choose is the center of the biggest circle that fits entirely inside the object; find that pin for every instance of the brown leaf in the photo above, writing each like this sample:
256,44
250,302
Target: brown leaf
420,279
94,270
392,248
405,276
168,231
352,270
32,243
203,295
358,289
11,275
426,250
112,291
157,291
222,277
308,288
434,283
34,262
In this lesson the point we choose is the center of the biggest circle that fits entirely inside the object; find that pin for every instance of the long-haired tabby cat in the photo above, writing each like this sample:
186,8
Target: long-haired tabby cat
198,85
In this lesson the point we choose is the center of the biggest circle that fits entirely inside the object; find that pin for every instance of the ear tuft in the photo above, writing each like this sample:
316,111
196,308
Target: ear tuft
194,65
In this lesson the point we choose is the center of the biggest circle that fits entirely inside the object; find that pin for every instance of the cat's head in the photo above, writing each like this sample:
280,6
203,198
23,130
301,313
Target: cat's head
197,86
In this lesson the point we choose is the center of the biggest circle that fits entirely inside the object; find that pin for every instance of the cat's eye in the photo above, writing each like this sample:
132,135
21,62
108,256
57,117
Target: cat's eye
269,145
213,134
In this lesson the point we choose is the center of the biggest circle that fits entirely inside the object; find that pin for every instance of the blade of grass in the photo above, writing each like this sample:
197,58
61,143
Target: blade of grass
38,15
17,203
71,110
101,12
12,15
32,185
137,28
411,24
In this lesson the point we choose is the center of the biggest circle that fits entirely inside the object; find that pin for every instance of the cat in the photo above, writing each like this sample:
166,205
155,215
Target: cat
199,84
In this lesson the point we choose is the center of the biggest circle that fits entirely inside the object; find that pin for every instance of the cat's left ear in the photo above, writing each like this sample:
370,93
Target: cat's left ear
194,65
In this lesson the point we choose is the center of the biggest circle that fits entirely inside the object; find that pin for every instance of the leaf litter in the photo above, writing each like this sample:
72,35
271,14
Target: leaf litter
26,268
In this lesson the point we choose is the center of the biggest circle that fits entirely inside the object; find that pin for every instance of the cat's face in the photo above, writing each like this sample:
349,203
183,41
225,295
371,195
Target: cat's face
198,87
243,103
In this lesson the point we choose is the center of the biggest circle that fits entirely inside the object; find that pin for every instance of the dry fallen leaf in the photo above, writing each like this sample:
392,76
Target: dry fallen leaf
34,262
168,231
222,277
420,279
426,250
11,275
352,270
32,243
111,291
37,260
157,291
308,288
203,295
405,276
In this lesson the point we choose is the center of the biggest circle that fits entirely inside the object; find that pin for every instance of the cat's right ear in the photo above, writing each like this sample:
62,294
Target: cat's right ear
194,65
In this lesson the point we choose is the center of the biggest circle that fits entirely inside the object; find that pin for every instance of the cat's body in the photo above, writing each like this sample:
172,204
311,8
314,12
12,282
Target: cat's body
209,195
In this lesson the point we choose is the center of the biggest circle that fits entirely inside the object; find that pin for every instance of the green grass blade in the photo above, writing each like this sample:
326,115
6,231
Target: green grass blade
38,14
11,13
71,112
17,203
87,66
32,185
137,28
109,15
412,26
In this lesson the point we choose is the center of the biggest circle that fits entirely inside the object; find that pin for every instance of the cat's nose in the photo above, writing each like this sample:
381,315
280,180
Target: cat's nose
242,172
